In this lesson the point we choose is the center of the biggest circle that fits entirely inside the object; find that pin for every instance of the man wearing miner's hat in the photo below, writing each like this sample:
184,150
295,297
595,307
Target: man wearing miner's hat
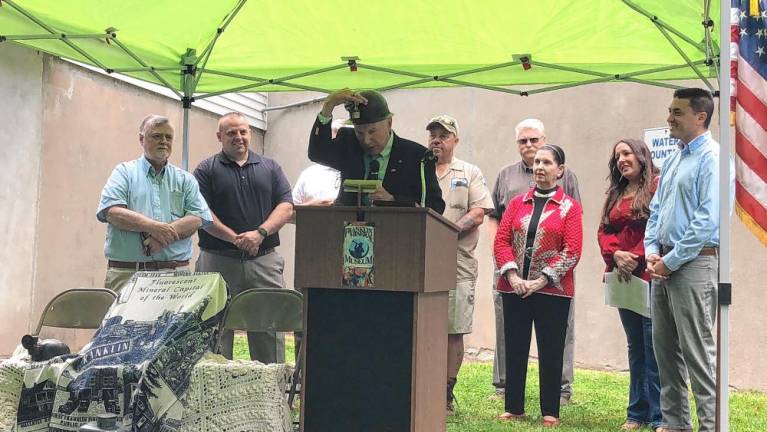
373,151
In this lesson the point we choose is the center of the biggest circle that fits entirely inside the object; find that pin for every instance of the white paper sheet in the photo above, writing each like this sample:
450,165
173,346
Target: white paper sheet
633,295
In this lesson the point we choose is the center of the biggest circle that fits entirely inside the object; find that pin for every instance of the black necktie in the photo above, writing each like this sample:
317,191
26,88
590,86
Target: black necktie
373,170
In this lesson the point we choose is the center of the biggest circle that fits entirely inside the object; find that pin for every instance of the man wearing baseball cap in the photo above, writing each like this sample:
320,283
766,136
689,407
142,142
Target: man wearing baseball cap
372,151
467,201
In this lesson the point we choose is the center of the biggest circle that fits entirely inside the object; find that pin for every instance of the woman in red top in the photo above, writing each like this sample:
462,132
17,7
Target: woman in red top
537,246
633,179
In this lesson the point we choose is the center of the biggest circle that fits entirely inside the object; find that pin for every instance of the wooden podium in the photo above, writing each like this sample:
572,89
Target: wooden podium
375,359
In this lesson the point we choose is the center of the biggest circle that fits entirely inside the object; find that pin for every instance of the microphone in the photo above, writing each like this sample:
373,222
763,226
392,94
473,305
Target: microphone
373,168
429,156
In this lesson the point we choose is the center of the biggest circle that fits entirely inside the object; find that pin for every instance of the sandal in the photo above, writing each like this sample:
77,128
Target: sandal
511,417
549,421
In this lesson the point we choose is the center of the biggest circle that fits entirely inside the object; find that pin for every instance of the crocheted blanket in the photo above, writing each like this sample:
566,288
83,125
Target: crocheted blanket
237,396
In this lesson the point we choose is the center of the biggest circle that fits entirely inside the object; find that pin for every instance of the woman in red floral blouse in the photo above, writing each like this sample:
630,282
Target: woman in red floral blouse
633,180
537,246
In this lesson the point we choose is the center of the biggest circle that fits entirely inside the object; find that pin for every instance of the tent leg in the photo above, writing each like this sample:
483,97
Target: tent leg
185,145
722,366
725,295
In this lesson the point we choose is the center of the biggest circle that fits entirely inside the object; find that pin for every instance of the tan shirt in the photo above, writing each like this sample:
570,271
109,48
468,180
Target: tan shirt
464,188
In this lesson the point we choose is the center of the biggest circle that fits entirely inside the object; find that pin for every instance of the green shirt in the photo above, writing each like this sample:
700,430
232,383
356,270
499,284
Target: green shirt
382,158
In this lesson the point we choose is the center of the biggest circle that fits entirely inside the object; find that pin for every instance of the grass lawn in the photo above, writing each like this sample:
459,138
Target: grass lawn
598,404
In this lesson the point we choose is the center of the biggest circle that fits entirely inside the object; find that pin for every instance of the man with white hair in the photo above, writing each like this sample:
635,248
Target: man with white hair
513,180
372,151
151,208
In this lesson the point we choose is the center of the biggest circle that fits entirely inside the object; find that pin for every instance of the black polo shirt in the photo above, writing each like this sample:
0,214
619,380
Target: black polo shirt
242,197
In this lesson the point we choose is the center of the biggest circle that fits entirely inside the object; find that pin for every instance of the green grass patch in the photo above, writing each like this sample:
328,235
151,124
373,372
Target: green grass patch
598,403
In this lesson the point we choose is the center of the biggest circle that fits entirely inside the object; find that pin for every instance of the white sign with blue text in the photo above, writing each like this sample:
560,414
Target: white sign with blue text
661,145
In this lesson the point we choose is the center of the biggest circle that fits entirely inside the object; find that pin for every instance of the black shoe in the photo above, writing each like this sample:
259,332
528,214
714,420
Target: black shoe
450,395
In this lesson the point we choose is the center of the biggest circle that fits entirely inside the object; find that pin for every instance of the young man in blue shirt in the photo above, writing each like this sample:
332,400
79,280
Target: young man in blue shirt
681,246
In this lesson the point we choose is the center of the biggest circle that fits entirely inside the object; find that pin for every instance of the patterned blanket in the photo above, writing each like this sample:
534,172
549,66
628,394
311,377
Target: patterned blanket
139,362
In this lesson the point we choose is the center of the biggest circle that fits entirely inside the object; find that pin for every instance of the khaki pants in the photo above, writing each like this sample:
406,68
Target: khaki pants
683,317
240,275
460,307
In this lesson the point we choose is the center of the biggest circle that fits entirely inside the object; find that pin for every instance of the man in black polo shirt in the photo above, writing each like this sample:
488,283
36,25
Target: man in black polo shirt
250,199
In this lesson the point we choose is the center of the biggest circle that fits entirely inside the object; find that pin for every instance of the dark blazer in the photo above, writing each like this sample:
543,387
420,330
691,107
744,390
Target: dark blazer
403,173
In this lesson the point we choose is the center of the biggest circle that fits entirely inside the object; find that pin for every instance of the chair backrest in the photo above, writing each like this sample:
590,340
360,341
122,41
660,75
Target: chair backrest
265,309
78,308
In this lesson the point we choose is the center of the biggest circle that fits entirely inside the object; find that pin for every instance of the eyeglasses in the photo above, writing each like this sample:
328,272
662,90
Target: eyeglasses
523,141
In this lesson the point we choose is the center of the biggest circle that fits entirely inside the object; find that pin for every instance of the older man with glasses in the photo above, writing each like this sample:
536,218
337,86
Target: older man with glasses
513,180
151,208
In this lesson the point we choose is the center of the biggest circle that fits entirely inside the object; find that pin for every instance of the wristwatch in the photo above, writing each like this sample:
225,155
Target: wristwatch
263,232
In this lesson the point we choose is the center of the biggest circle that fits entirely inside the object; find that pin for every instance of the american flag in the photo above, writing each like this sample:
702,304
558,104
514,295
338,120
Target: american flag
748,70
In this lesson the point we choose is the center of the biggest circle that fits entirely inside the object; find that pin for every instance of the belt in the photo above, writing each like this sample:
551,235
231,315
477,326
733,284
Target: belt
706,251
148,265
239,254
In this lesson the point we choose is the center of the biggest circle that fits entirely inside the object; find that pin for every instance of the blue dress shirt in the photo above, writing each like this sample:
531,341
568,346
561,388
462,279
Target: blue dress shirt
684,213
164,197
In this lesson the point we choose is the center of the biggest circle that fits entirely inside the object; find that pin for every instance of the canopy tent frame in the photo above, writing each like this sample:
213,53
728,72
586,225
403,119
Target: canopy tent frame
192,67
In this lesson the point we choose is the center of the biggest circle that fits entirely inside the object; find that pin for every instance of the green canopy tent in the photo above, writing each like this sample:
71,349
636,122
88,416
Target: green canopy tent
199,48
202,48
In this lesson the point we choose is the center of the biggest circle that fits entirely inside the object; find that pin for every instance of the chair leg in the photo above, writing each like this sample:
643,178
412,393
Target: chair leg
296,376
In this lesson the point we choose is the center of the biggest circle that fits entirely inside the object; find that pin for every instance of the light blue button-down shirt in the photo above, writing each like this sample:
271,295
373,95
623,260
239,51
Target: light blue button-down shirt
684,213
164,197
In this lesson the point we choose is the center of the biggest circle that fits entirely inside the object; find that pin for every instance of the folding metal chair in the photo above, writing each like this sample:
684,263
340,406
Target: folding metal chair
77,308
268,309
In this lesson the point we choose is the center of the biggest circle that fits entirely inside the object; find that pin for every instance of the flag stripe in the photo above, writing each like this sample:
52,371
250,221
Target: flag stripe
751,205
750,157
750,181
748,127
752,105
753,80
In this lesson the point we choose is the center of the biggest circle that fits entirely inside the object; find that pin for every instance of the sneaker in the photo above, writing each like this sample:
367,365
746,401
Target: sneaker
498,394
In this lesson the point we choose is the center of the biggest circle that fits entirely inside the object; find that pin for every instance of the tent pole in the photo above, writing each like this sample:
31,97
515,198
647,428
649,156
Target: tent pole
725,286
185,145
187,84
685,57
661,24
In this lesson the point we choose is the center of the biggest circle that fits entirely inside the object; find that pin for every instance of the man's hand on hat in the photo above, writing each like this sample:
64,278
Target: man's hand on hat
341,97
381,194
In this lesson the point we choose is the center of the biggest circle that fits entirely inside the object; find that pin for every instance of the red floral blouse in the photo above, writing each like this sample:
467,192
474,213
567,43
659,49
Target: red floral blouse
557,245
624,233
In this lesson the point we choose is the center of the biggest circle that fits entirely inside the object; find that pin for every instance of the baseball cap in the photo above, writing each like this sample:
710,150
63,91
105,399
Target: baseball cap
447,122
